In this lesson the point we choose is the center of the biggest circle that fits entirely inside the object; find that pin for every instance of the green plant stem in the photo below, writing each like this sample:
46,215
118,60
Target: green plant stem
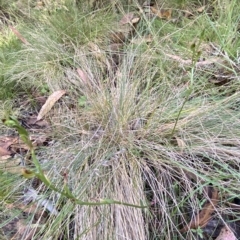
179,113
195,56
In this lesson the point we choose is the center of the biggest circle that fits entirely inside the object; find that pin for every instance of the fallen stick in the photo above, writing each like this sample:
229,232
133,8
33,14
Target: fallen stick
197,64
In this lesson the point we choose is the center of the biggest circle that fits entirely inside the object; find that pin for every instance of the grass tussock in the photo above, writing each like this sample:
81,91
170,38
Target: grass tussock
136,125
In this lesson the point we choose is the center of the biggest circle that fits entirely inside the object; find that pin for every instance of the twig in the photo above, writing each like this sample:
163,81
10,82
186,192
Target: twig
198,64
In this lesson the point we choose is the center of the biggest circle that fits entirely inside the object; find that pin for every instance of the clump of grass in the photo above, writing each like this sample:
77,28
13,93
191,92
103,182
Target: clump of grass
8,46
149,129
126,149
50,50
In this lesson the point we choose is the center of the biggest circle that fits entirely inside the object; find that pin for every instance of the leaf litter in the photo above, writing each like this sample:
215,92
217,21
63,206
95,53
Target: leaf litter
226,234
205,214
52,99
11,145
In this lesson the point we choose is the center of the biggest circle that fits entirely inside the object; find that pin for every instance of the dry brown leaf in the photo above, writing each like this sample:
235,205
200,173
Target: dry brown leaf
96,49
198,64
4,152
40,5
181,144
83,76
135,20
127,18
188,14
226,234
15,144
42,123
127,28
162,13
33,121
205,214
99,54
201,9
4,158
18,34
38,139
52,99
5,143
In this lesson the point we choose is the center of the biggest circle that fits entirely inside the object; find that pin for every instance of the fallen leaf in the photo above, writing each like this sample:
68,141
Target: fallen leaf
201,9
226,234
33,121
5,143
162,13
38,139
127,24
52,99
135,20
82,75
199,63
127,18
40,5
4,152
18,34
181,144
5,157
188,14
205,214
15,144
99,54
